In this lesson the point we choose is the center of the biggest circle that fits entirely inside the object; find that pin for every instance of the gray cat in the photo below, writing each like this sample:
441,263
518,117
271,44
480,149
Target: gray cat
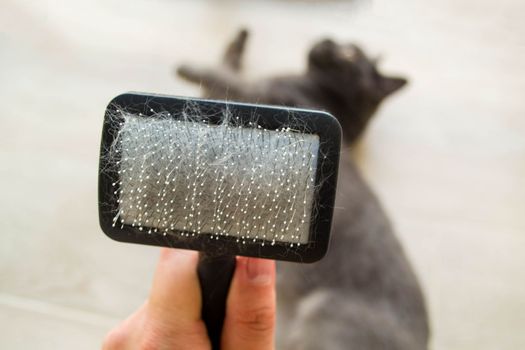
363,294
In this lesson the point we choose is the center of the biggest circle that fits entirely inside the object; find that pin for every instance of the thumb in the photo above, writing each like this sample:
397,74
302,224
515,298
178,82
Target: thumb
250,308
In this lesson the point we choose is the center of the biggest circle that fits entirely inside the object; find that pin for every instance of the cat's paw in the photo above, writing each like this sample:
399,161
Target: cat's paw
189,73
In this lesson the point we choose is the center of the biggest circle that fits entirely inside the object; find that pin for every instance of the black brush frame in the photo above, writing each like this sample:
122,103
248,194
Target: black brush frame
269,117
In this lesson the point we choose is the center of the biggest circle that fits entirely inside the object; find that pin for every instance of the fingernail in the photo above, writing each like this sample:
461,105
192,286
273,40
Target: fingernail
260,271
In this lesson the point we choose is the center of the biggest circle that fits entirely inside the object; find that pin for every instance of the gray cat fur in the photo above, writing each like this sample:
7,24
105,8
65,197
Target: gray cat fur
364,293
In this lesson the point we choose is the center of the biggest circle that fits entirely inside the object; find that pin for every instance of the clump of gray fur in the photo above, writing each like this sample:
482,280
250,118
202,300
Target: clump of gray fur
364,293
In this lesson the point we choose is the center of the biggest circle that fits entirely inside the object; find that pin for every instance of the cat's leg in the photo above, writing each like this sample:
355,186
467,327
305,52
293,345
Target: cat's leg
216,83
221,82
232,58
193,74
231,63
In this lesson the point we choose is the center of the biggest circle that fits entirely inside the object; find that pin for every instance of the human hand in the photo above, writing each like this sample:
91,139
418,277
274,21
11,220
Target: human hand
171,317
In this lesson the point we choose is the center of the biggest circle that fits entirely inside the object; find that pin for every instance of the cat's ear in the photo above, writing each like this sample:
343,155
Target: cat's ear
389,85
322,55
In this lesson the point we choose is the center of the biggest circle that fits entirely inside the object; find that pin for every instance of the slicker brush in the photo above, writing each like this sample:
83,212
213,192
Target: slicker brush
219,177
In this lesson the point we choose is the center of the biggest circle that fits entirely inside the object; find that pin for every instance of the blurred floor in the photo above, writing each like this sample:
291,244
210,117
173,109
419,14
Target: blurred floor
446,156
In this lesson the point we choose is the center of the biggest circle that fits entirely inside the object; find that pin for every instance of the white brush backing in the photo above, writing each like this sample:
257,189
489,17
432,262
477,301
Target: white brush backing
190,177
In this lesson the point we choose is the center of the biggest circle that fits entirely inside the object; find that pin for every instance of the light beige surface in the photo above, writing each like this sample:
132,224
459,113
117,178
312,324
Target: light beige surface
446,156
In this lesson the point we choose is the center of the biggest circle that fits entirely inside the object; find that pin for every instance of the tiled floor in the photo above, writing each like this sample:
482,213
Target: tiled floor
447,156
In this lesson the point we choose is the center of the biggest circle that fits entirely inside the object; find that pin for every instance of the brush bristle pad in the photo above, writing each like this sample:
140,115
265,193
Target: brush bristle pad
188,177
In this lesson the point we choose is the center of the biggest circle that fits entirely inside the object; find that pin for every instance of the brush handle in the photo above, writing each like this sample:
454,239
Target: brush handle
215,274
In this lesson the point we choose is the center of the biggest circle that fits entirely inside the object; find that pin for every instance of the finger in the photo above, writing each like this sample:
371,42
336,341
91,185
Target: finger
250,308
126,333
175,297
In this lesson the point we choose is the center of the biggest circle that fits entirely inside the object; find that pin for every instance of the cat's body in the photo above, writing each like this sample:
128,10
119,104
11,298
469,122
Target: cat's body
363,294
